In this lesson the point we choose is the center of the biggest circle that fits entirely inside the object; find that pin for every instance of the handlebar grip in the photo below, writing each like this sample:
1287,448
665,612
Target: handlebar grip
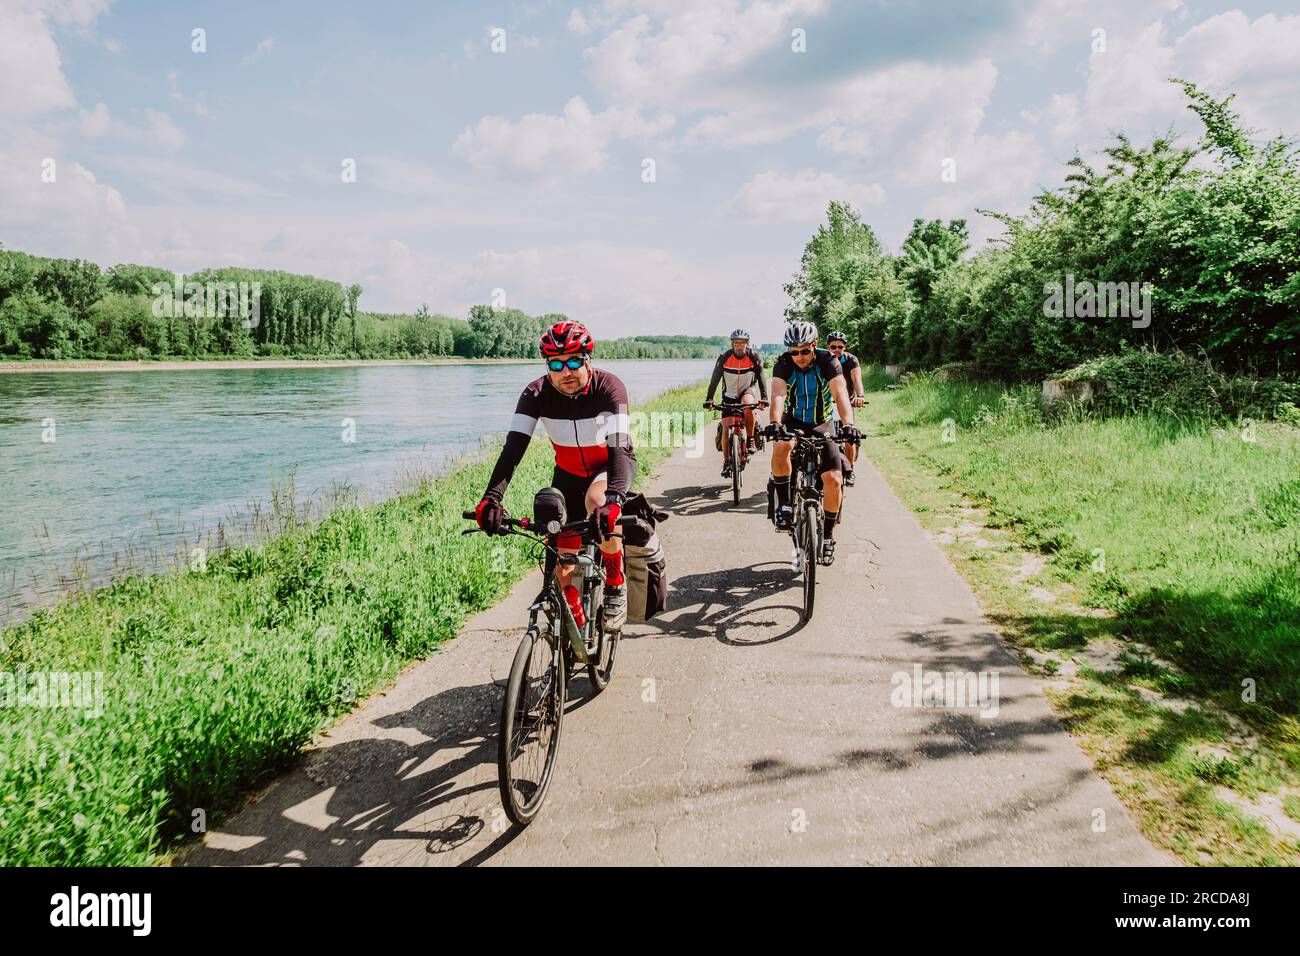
469,515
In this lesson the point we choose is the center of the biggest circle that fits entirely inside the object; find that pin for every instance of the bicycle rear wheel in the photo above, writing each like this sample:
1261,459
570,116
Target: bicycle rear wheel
531,717
735,469
811,534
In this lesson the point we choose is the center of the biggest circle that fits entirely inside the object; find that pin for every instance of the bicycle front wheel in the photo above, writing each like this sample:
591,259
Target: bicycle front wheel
601,666
531,716
812,544
735,469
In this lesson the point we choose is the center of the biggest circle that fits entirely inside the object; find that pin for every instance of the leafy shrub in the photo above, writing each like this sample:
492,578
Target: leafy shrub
1173,383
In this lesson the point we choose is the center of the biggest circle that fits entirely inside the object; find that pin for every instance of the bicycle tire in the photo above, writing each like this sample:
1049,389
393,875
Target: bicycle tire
522,797
601,669
735,469
810,522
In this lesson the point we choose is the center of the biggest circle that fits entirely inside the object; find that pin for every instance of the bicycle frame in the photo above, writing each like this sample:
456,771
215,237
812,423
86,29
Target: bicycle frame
584,640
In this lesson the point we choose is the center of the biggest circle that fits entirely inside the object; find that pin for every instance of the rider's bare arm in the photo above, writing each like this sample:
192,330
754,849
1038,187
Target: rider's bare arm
840,393
778,400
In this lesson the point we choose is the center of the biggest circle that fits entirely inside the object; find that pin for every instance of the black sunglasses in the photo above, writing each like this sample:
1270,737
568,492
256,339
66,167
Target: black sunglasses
559,365
802,351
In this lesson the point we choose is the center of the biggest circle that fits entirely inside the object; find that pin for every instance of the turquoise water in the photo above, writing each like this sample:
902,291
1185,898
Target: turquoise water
146,464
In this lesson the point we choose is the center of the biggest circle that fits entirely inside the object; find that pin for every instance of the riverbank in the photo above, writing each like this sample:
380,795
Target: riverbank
173,365
150,707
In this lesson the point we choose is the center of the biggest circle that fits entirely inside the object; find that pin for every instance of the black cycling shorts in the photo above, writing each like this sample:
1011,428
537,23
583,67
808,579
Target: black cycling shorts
831,455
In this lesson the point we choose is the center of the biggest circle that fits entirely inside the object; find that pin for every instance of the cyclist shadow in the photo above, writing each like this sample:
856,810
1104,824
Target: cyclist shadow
727,606
694,500
382,789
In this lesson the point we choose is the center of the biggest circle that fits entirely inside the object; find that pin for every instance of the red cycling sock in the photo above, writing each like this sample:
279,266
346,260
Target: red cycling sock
613,567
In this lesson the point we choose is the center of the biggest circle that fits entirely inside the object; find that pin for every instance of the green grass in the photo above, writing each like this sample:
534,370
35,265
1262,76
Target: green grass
1174,539
1189,533
214,679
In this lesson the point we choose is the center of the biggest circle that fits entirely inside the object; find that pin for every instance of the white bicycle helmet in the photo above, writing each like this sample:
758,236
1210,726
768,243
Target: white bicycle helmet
797,333
740,334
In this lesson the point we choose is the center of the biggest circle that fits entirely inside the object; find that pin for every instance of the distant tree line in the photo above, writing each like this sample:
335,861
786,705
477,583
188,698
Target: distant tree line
73,309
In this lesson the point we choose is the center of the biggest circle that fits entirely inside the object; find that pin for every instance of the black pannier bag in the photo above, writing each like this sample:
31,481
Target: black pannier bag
644,564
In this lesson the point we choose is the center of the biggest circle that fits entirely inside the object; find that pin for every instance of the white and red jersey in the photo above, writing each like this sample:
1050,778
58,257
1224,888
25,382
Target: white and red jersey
589,431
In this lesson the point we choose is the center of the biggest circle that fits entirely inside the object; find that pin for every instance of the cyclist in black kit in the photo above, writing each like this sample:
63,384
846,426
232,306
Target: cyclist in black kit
838,344
814,382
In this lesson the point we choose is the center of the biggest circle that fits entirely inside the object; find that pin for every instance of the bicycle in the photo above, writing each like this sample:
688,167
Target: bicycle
807,523
737,446
533,709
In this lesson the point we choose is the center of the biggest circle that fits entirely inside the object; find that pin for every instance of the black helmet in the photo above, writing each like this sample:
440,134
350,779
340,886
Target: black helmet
837,334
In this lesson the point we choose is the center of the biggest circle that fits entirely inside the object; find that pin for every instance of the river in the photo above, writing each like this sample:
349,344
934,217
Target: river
103,471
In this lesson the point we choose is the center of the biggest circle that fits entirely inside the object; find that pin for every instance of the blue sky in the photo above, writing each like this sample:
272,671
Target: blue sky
521,170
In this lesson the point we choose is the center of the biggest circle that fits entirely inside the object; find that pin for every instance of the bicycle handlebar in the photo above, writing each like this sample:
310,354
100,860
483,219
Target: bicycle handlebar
782,434
526,523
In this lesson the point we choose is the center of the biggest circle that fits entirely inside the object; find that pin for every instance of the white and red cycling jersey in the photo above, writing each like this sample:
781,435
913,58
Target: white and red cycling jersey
589,432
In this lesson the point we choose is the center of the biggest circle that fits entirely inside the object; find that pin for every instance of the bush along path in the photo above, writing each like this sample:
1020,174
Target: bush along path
1147,568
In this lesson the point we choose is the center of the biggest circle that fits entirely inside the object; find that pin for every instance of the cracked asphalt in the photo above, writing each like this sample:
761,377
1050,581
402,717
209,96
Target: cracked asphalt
729,734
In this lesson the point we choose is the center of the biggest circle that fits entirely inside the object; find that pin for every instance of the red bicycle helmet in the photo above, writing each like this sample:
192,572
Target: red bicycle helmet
564,338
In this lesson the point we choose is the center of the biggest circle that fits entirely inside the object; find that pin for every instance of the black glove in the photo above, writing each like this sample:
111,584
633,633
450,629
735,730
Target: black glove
490,516
851,433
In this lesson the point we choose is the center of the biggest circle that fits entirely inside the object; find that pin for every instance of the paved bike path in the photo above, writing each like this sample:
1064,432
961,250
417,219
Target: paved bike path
729,734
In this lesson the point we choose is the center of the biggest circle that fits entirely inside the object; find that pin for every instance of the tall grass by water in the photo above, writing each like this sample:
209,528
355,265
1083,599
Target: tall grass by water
218,674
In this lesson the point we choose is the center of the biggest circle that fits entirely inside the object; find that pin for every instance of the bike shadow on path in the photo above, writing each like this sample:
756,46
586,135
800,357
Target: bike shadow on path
693,501
342,801
732,605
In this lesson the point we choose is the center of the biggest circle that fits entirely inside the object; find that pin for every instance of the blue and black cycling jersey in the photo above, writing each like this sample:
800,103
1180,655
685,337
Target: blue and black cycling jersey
809,390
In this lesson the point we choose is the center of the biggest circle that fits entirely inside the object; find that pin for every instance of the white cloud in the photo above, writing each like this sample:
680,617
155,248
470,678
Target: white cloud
193,105
1257,59
31,71
1001,172
263,49
160,132
800,196
1128,86
546,147
71,12
177,181
1059,25
694,47
402,178
577,23
95,122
